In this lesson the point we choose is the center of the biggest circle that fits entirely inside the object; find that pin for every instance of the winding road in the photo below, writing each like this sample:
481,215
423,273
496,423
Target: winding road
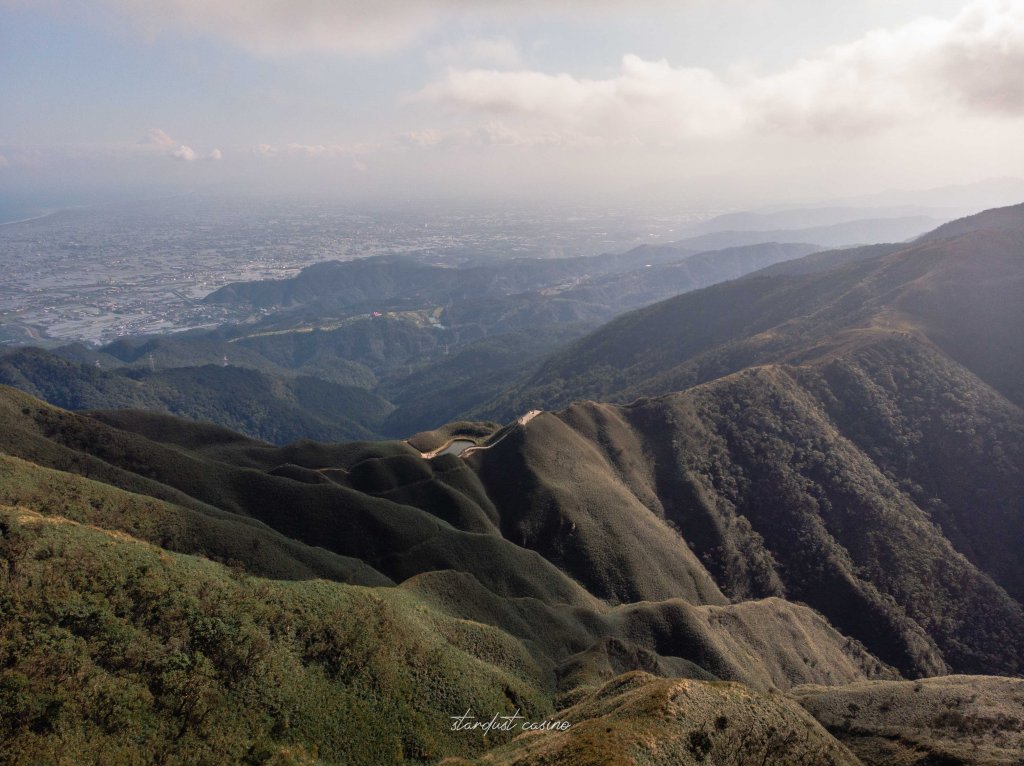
470,447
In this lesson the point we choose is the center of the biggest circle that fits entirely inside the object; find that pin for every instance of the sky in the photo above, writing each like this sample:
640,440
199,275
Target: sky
733,102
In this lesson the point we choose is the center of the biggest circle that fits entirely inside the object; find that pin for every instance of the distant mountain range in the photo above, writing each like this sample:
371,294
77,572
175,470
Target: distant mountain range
777,520
841,234
958,291
426,343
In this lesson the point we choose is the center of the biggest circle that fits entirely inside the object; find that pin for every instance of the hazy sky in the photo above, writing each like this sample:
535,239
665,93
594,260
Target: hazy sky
736,100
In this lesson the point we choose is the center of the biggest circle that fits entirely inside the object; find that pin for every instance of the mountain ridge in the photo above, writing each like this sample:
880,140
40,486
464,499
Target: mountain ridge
788,540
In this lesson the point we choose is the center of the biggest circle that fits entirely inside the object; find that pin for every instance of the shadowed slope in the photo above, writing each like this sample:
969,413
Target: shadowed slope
271,407
397,540
965,294
757,474
401,516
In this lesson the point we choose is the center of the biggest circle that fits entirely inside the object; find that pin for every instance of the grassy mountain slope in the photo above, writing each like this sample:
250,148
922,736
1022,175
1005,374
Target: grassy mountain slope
116,651
819,485
949,720
773,499
399,540
758,517
228,538
558,494
638,719
392,522
274,408
389,516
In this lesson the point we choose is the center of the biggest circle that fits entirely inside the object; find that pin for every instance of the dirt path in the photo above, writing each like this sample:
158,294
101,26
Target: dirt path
522,420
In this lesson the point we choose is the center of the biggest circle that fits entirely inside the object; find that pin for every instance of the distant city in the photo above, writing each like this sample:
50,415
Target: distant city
96,274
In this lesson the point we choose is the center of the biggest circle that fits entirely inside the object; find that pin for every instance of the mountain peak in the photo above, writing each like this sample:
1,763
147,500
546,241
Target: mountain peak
997,219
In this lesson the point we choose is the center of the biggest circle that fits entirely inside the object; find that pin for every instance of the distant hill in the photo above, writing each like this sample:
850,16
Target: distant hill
272,408
793,536
845,233
998,219
813,217
961,292
981,195
372,282
424,366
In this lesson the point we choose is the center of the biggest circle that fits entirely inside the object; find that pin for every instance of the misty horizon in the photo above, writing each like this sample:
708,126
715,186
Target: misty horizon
725,105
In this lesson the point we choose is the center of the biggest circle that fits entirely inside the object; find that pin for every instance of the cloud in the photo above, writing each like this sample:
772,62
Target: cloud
4,162
931,69
185,154
493,133
648,101
156,137
313,151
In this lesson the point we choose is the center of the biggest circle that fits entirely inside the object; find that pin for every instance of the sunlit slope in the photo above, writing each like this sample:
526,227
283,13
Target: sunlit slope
953,719
115,651
638,719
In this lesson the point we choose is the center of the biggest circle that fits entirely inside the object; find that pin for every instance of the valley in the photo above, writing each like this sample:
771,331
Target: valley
775,518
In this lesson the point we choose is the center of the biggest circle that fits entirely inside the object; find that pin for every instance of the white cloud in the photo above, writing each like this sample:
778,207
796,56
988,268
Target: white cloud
216,154
493,133
4,162
648,102
931,69
185,154
156,137
313,151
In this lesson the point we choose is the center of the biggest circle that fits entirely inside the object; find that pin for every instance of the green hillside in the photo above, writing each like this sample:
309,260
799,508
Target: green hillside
115,651
273,408
792,536
225,666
